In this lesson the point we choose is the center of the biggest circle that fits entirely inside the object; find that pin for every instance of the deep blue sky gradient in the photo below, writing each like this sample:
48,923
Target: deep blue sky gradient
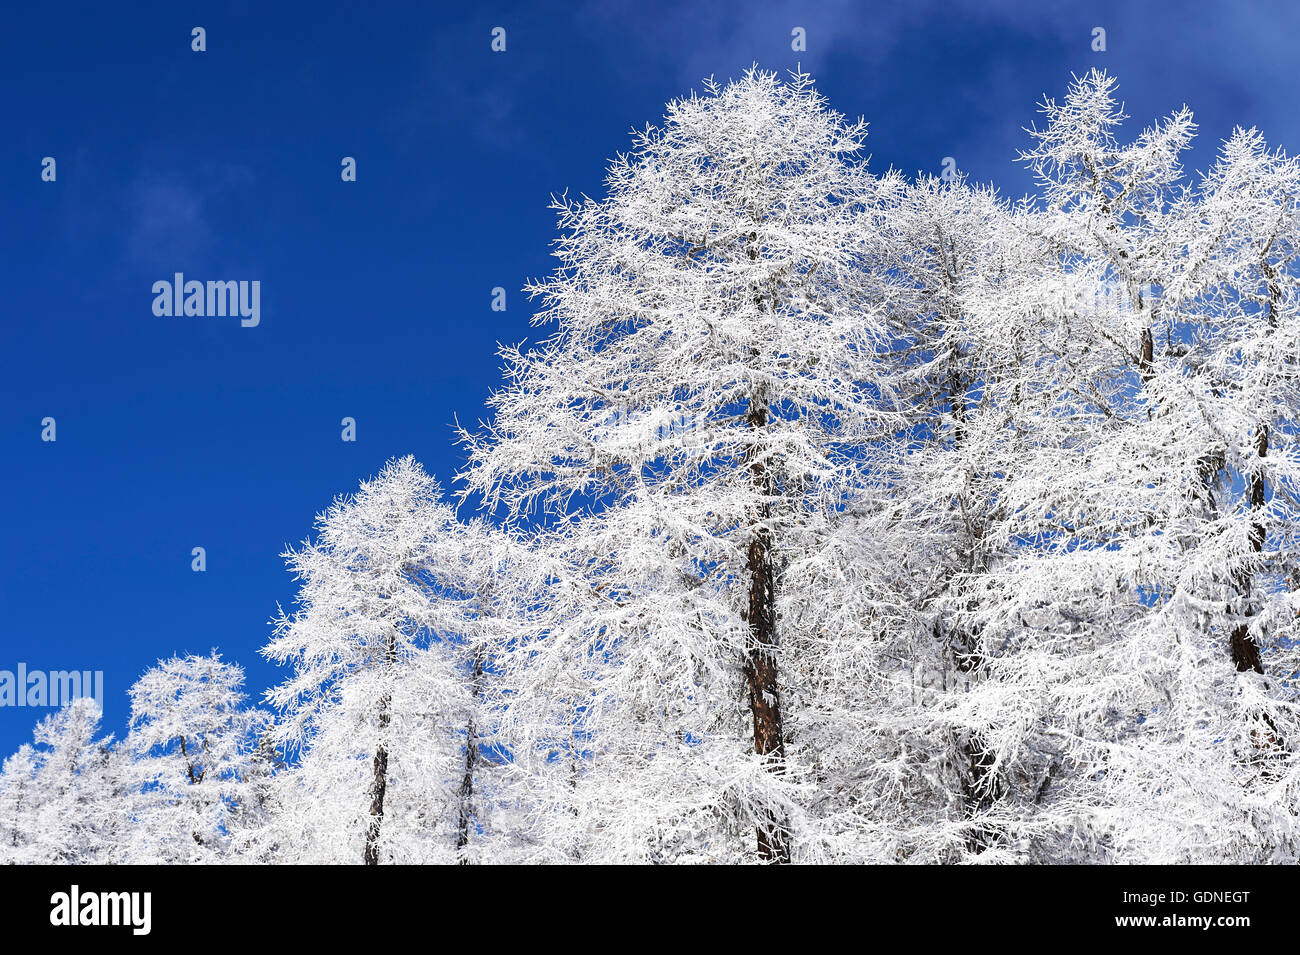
183,432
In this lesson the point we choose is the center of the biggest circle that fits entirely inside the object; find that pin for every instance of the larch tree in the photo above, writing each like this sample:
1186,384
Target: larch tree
711,373
19,798
192,742
72,794
1120,609
381,695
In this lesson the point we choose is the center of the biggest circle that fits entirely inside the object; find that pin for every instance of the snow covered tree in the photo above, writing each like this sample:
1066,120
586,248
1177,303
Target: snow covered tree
70,797
249,824
711,373
844,519
1113,603
18,800
387,681
501,580
880,606
191,739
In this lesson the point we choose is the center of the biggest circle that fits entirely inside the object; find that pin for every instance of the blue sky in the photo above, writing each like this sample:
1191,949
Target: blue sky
182,432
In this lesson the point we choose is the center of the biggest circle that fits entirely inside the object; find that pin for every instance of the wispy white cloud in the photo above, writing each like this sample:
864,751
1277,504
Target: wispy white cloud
167,215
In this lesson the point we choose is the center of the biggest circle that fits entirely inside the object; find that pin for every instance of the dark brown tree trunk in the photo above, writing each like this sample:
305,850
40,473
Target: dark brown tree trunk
195,779
380,786
1146,357
471,761
1245,650
377,796
760,654
980,787
760,658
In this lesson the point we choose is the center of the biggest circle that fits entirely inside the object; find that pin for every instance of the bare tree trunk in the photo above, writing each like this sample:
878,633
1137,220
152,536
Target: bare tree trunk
1245,650
981,788
380,787
760,658
760,653
377,795
195,779
471,761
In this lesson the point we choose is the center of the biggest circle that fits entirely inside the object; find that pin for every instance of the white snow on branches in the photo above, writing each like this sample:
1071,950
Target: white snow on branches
838,517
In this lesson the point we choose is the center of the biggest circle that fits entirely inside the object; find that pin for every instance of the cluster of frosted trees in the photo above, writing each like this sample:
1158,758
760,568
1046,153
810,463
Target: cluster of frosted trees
840,518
